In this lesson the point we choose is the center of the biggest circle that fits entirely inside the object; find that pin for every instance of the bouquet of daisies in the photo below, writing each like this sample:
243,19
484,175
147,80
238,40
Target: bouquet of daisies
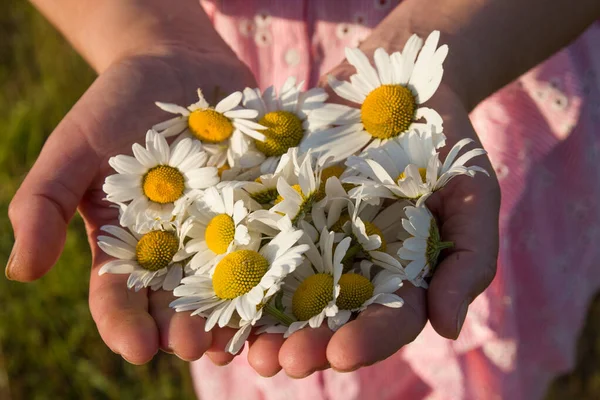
274,211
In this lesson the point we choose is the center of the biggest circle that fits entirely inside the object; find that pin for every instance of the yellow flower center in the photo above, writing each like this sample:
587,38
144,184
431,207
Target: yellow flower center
155,250
210,126
284,130
163,184
355,289
334,170
219,233
312,296
422,172
238,273
388,111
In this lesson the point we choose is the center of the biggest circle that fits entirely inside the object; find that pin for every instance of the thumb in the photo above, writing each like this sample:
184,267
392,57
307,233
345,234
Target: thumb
47,199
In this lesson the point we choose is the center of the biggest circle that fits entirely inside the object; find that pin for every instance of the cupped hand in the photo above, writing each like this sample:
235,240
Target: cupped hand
467,210
115,112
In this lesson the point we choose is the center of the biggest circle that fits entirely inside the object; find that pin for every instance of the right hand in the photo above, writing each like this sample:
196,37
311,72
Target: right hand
115,112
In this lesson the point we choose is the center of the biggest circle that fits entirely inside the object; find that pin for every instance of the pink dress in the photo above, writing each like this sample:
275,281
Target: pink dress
543,135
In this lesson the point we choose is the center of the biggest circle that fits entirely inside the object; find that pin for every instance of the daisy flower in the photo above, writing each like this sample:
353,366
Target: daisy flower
286,117
357,292
410,168
148,258
423,248
311,291
159,179
217,227
224,130
390,98
241,280
374,231
295,201
264,189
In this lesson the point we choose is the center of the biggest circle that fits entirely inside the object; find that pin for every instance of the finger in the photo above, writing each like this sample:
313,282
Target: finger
47,199
466,270
179,332
304,351
122,318
378,332
216,352
263,355
121,315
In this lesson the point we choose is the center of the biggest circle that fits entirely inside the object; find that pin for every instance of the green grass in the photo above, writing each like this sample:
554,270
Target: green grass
50,346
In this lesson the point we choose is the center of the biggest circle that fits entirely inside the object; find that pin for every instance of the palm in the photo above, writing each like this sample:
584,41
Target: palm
467,210
114,113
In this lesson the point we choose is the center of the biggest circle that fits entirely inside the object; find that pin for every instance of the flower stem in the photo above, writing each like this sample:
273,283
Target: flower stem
278,315
445,245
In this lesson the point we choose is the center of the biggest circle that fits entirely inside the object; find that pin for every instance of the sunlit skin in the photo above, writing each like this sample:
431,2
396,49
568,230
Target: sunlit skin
160,57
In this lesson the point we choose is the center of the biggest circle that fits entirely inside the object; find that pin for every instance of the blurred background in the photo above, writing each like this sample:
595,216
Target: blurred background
49,346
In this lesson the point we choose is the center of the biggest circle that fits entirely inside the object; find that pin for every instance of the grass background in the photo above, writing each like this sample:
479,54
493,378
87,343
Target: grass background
49,346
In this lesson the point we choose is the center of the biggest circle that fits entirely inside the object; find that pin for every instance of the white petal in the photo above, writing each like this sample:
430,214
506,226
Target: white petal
345,90
237,341
229,102
173,277
117,267
172,108
241,113
360,61
384,66
389,300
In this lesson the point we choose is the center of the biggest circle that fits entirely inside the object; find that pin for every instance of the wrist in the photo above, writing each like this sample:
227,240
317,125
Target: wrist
111,30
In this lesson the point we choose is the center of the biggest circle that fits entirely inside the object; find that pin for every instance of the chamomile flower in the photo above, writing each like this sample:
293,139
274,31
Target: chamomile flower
159,179
410,168
241,280
374,230
358,291
224,130
295,201
148,258
286,117
263,190
390,98
423,248
217,228
311,291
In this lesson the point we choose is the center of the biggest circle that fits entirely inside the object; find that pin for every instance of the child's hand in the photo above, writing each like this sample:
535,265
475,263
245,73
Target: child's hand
468,211
115,112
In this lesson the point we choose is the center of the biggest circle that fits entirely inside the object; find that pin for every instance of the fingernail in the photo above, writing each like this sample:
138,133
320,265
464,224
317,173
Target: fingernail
9,263
462,314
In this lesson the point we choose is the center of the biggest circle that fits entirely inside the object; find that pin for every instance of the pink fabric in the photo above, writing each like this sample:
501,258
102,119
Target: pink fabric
542,133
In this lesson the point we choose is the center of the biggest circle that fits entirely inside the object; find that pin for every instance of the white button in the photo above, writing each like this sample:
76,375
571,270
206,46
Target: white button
262,19
292,57
359,18
263,38
246,27
382,4
560,102
343,30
